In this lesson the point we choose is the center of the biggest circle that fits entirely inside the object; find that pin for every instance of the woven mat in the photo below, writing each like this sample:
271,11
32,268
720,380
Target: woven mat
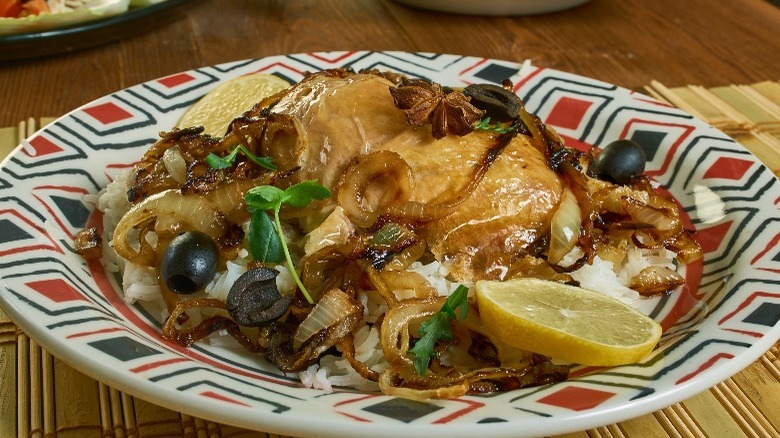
41,396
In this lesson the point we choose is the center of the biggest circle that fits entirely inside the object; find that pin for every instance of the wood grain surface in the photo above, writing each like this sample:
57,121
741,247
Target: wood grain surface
626,42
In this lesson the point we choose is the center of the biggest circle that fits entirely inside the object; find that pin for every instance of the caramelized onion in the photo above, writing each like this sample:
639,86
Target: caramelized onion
564,227
228,198
282,140
347,348
537,139
661,214
175,164
390,384
656,280
407,256
331,321
395,330
372,184
185,337
400,281
190,210
317,270
336,312
379,283
687,249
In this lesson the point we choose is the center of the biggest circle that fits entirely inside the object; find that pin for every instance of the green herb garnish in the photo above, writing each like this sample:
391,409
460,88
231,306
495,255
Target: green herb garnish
264,247
264,242
484,125
438,327
217,162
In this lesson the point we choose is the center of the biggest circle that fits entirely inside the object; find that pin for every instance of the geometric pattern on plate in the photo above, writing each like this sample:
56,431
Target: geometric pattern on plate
723,319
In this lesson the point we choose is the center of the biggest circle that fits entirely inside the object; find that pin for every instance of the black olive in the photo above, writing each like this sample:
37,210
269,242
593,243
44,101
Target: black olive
189,262
619,162
254,300
498,103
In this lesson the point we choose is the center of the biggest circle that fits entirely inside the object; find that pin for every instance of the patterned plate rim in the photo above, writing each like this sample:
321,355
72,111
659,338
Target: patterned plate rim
714,330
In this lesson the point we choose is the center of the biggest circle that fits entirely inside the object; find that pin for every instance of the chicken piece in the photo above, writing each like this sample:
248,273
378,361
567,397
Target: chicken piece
509,211
343,118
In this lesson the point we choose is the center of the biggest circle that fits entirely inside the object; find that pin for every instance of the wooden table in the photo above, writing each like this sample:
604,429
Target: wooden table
629,43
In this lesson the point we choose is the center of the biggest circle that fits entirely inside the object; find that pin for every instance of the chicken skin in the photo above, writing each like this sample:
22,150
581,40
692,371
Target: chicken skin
343,119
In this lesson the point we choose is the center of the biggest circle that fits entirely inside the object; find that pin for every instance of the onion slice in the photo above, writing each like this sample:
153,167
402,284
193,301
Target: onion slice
395,330
185,337
191,211
656,280
335,311
564,227
372,184
659,213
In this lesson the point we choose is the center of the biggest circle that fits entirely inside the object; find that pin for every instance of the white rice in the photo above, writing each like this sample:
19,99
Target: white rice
140,284
437,273
336,371
113,203
603,276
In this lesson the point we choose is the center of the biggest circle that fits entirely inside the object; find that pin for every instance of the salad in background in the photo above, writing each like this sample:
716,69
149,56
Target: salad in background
20,16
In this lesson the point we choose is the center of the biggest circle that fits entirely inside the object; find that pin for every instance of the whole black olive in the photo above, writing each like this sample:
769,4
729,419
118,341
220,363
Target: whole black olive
498,103
619,162
254,300
189,262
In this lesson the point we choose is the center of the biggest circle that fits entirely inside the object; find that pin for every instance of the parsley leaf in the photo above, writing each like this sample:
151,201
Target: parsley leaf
438,327
217,162
484,125
264,198
301,194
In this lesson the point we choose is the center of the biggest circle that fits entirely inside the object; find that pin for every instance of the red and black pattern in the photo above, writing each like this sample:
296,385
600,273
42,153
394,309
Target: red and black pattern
724,318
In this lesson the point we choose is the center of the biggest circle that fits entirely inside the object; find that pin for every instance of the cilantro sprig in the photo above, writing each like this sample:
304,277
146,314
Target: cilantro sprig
266,238
485,125
217,162
438,327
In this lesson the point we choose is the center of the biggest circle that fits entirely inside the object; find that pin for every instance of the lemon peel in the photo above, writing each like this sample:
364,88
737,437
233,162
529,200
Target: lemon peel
565,322
215,110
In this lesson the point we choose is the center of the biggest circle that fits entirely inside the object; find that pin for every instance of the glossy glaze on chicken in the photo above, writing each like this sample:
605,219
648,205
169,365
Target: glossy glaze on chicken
417,174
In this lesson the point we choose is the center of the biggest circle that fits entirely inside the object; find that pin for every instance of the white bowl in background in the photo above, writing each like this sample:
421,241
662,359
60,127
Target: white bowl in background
494,7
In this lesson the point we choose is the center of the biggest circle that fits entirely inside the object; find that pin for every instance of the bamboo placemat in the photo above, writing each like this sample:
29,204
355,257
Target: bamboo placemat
40,396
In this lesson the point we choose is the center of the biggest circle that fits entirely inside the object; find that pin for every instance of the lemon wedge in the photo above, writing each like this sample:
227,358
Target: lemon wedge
220,106
565,322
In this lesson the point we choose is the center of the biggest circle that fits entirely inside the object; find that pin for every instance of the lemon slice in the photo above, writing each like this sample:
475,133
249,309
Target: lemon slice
220,106
565,322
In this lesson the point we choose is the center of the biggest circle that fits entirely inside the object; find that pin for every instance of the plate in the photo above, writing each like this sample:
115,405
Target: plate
87,34
721,322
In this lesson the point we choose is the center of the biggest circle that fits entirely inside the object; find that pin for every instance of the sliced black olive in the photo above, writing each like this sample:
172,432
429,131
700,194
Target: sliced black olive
619,162
254,300
189,262
498,103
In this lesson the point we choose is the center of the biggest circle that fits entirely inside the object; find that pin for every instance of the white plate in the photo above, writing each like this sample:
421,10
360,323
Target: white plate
721,322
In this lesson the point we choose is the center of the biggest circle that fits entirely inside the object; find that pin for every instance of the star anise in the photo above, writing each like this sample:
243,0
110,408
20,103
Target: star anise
427,102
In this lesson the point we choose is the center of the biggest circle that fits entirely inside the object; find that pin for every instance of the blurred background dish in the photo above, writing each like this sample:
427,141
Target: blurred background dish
73,34
46,18
494,7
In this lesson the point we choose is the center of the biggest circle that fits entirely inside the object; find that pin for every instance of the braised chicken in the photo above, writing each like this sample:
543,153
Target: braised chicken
343,120
378,173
